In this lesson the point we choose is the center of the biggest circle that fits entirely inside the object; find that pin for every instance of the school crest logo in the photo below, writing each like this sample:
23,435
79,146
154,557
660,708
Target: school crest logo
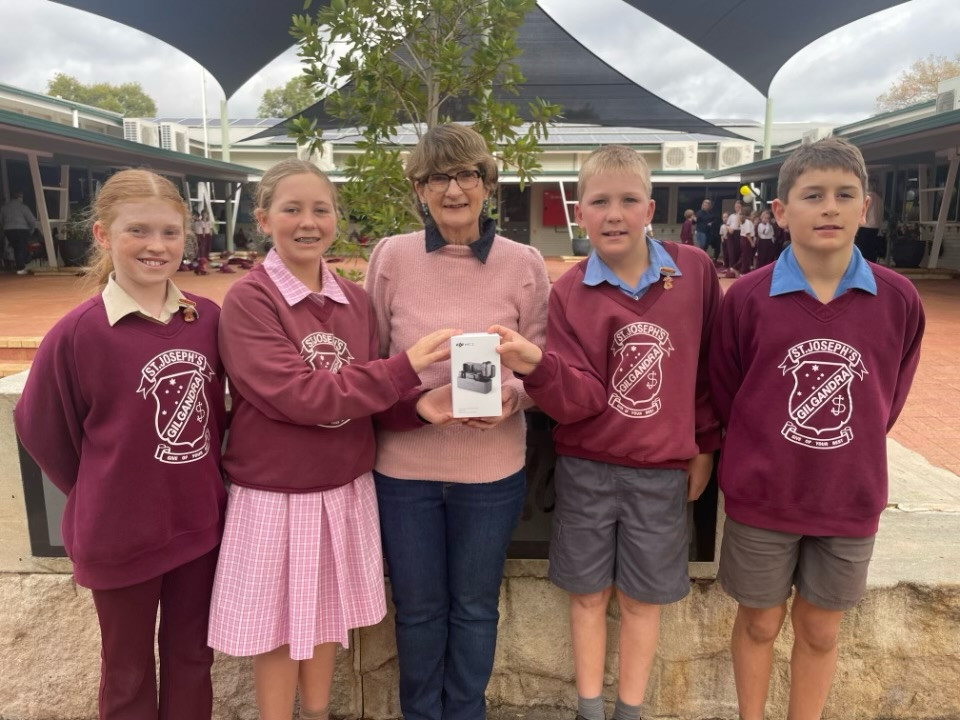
325,351
641,347
821,402
176,380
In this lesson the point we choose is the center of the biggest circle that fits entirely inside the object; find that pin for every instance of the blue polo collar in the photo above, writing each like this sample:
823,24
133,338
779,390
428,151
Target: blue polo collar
598,272
788,277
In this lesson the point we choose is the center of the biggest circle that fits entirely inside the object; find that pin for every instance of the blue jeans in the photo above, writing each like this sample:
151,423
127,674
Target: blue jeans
700,239
445,545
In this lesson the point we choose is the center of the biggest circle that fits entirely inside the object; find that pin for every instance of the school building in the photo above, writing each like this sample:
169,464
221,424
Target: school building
899,656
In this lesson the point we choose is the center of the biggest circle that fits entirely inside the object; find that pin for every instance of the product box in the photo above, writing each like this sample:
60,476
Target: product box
475,375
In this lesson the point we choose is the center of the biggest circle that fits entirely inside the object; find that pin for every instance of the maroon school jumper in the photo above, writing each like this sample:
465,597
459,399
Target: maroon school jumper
282,406
127,421
625,378
808,392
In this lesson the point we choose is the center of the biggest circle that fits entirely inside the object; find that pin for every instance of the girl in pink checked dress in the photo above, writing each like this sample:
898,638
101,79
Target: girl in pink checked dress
300,564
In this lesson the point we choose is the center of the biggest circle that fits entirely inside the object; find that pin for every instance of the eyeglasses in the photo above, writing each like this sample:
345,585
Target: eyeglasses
466,179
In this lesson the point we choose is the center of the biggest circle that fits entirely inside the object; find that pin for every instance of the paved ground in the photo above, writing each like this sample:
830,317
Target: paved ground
929,425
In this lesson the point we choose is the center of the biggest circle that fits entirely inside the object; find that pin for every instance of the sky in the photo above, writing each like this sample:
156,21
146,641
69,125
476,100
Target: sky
833,81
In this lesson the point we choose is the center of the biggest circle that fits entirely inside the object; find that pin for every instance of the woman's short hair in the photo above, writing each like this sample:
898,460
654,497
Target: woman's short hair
449,146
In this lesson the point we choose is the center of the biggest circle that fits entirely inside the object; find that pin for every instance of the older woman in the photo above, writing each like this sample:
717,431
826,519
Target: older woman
450,493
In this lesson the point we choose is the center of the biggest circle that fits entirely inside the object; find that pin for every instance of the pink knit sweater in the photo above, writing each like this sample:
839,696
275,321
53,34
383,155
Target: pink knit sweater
415,292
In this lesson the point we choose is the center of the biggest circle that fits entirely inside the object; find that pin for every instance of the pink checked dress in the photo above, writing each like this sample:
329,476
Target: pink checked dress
297,569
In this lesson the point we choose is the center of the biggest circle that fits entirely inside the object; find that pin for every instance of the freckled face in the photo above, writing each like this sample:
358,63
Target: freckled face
145,241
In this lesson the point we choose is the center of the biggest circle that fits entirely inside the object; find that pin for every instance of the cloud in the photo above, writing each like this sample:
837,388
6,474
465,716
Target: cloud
834,80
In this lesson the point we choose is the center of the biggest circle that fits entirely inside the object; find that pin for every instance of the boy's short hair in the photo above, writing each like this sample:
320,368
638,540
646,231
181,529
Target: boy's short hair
614,158
828,154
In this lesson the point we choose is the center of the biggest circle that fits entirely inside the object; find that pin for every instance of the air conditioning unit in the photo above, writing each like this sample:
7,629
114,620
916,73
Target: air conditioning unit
948,95
322,159
732,154
173,136
679,156
141,131
811,136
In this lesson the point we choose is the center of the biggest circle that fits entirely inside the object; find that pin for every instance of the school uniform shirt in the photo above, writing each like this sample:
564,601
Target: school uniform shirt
808,392
276,343
623,372
125,415
765,231
733,221
746,229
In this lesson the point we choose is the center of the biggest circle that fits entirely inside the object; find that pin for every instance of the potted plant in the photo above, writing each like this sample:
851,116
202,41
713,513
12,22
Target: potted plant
76,240
908,247
581,243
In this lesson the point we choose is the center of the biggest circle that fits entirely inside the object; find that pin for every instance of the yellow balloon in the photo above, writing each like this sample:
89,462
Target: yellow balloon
745,189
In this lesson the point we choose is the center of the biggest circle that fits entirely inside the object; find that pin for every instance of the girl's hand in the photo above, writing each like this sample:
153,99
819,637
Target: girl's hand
698,474
436,406
509,398
431,348
516,352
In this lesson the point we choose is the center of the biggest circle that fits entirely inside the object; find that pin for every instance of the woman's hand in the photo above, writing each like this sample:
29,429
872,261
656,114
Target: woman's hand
516,352
509,402
431,348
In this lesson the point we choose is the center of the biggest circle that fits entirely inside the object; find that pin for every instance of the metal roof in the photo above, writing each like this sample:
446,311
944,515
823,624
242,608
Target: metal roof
72,146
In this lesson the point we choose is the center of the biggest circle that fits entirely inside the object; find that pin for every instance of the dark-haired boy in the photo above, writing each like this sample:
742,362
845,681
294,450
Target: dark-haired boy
810,365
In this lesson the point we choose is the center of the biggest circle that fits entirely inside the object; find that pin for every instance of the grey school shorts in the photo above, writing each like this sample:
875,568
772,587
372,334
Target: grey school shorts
623,526
759,568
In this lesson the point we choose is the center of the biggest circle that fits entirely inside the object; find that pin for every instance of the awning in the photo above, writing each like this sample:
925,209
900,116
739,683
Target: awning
560,70
232,39
755,38
66,145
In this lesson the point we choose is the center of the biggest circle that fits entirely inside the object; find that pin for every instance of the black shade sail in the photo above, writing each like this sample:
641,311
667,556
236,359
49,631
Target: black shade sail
232,39
558,69
755,38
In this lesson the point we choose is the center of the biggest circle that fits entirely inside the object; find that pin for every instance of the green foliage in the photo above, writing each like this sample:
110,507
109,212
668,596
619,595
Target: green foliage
413,62
295,96
129,99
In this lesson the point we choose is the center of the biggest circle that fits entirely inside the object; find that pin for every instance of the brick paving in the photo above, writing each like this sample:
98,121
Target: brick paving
929,425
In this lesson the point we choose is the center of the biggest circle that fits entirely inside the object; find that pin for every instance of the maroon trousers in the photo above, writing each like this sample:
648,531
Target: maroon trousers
731,250
204,243
128,687
766,252
747,253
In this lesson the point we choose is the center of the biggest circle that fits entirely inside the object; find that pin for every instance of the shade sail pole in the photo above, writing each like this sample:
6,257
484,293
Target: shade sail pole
767,127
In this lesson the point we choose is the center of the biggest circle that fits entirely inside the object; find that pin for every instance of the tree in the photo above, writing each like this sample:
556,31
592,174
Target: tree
412,62
128,99
288,100
919,82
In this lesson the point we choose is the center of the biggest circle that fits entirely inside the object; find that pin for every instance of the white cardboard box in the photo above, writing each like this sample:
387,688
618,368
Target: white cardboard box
475,375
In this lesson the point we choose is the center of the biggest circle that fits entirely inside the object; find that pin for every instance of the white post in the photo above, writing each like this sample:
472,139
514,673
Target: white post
944,210
224,133
767,127
203,102
42,215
